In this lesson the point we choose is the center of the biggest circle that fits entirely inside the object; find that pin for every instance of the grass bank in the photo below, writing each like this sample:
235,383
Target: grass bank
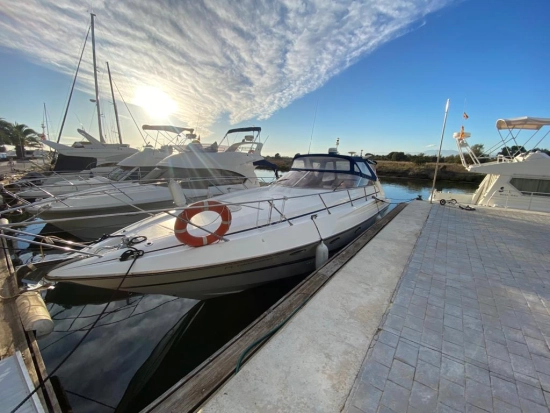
399,169
447,171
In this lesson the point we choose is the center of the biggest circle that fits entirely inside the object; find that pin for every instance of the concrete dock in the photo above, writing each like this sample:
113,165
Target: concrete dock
444,310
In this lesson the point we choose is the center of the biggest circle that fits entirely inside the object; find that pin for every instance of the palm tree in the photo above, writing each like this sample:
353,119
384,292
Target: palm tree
21,134
5,127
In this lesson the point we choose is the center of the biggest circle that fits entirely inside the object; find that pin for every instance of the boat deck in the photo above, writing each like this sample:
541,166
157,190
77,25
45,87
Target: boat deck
445,310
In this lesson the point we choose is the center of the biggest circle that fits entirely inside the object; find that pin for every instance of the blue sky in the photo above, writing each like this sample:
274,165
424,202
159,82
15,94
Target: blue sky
378,72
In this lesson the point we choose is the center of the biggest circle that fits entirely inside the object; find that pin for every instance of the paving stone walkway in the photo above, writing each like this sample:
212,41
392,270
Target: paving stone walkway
468,329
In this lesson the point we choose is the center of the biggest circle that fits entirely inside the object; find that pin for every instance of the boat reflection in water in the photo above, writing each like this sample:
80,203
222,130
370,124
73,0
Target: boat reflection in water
123,365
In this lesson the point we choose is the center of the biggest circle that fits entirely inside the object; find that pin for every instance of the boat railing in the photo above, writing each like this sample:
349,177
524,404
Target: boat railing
510,193
48,241
257,204
281,210
504,159
89,186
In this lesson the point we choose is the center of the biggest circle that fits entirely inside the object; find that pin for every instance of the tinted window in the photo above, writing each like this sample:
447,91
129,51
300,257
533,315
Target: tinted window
541,187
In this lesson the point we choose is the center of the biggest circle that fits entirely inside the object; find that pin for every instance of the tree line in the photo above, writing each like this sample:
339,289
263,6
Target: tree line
283,162
477,149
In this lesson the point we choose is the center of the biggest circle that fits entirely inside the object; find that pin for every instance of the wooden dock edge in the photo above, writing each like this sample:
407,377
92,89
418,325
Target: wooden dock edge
199,385
14,338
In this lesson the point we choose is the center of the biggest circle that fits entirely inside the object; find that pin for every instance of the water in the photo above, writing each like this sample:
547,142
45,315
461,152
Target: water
402,190
145,344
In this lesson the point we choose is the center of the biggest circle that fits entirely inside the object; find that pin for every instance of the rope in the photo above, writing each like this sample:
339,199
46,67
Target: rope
136,256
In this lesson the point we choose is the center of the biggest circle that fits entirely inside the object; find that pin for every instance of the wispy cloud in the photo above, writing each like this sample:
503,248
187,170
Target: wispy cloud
431,145
246,59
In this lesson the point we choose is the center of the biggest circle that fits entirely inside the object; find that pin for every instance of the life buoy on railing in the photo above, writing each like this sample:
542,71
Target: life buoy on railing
180,226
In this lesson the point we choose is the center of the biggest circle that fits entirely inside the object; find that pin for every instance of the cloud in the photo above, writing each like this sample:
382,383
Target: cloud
431,145
245,59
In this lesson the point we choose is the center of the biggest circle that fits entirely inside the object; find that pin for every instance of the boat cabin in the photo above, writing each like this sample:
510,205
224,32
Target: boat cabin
330,171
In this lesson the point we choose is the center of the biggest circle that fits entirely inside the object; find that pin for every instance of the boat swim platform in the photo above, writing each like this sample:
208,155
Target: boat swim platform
444,310
21,366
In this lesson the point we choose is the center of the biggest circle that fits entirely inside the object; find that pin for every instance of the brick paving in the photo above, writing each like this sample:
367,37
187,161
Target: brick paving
468,329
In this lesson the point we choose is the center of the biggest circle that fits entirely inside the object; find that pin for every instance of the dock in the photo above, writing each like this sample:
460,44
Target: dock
443,310
23,369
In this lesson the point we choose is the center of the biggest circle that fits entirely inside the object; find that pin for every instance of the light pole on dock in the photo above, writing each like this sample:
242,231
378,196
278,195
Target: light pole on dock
440,145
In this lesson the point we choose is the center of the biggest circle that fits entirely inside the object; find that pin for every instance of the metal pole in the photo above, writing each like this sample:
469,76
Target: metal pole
440,145
114,104
95,81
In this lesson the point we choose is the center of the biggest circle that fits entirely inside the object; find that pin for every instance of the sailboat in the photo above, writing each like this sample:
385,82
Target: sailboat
92,152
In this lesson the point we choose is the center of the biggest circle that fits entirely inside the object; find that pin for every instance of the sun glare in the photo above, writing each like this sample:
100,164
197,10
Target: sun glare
157,103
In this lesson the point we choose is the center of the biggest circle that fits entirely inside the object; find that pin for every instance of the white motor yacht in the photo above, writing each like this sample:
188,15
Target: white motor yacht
236,241
518,180
202,171
133,168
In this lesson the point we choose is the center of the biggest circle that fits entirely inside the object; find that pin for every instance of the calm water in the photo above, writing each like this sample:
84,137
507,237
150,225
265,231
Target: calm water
144,344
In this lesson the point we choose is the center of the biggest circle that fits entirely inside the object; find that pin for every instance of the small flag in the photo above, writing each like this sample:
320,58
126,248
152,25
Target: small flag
465,115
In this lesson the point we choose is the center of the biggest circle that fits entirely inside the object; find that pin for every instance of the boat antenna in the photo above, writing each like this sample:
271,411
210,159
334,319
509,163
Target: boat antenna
441,144
313,127
114,104
72,87
102,140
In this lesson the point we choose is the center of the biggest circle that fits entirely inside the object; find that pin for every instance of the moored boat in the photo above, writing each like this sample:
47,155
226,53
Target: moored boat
236,241
202,171
519,180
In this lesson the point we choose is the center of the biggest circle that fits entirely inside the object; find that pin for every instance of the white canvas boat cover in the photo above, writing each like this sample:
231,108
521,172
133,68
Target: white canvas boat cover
167,128
524,122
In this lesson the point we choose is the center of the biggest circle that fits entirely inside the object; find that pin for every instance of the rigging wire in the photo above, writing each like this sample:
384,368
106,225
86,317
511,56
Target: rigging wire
89,399
72,86
132,116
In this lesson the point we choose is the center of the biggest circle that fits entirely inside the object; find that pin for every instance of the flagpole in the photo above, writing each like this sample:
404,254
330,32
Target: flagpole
440,145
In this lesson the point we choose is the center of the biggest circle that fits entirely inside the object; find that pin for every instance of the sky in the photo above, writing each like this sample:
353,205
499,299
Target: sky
374,73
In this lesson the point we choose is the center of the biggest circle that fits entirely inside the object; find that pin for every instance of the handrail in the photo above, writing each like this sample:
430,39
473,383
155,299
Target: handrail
67,249
166,210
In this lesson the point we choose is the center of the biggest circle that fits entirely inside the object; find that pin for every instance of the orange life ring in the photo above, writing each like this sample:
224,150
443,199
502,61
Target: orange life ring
180,226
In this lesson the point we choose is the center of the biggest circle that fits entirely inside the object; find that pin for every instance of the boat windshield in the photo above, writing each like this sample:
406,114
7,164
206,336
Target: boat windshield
326,172
216,176
117,173
129,173
321,180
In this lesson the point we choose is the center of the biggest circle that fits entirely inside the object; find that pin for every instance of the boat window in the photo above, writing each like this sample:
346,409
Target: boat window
365,170
538,187
117,173
210,176
138,173
322,162
320,180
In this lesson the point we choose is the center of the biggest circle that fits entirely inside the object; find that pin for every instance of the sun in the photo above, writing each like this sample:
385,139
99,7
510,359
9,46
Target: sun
157,103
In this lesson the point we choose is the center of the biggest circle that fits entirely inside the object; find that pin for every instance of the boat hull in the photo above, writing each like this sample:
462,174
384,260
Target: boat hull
88,229
212,281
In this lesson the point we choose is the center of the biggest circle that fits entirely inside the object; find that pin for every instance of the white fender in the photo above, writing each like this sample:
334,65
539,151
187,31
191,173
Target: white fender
321,254
34,314
177,193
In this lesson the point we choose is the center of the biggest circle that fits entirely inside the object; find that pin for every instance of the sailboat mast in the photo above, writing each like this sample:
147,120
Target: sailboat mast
114,104
95,80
